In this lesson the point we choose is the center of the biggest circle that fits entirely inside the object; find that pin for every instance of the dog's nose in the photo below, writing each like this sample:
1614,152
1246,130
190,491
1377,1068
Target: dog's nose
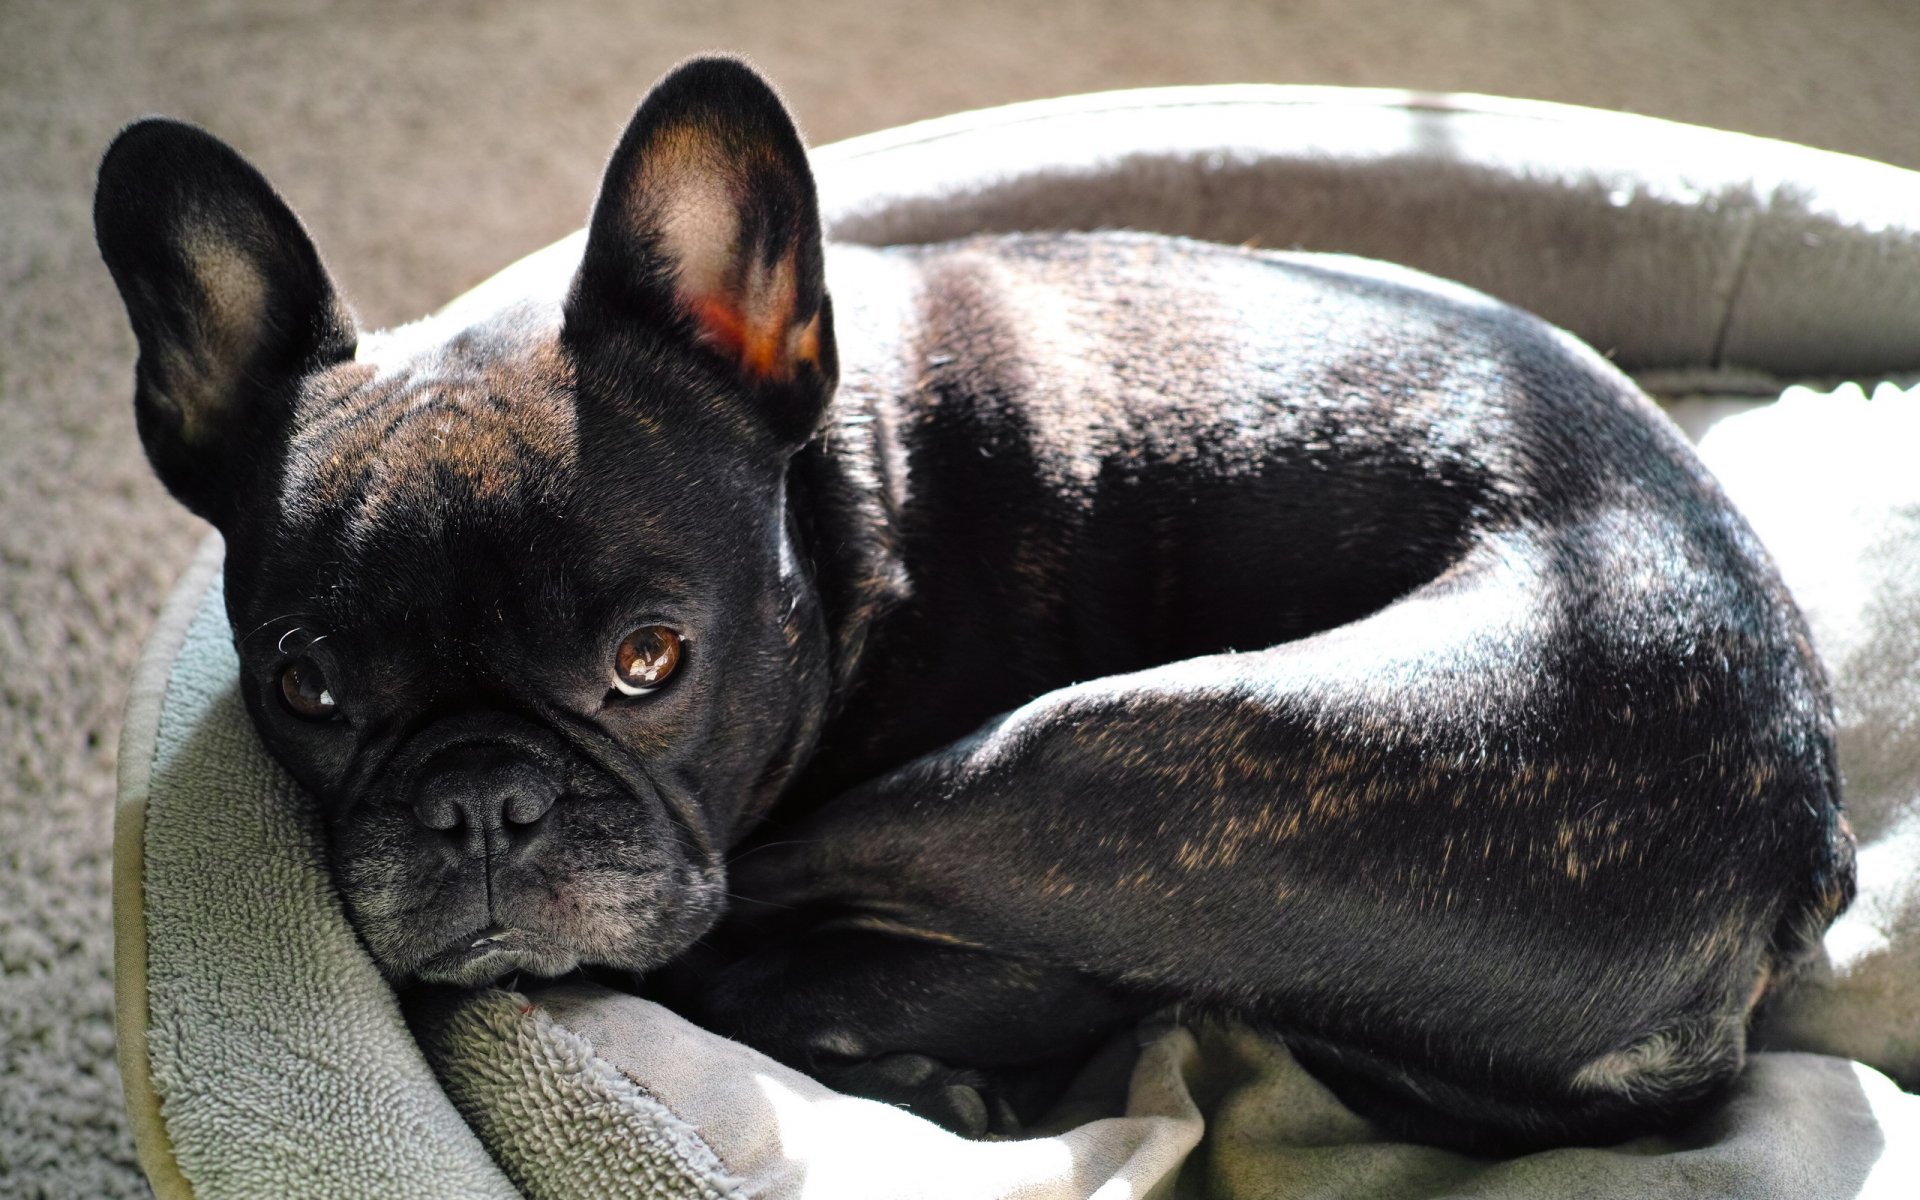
484,790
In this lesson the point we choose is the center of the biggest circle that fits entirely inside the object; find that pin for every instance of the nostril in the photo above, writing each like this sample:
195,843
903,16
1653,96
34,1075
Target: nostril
436,810
528,804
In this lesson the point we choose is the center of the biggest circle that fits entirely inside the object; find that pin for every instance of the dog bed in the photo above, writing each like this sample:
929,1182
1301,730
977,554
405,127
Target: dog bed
263,1054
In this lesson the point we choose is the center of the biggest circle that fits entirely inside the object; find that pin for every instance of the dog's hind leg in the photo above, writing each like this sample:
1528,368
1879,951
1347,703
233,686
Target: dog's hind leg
1508,838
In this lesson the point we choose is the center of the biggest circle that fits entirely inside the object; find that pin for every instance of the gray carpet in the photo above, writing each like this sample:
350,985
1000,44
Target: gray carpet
428,143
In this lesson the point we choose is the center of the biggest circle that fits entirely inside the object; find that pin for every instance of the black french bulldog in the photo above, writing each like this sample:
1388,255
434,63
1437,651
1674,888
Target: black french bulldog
1090,622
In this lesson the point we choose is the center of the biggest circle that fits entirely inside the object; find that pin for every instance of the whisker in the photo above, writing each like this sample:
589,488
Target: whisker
756,901
292,616
771,846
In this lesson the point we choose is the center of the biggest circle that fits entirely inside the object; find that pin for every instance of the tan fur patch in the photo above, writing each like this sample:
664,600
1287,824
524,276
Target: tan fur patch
235,297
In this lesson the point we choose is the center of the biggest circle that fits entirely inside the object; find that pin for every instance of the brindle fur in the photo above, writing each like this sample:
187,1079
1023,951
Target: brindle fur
1142,621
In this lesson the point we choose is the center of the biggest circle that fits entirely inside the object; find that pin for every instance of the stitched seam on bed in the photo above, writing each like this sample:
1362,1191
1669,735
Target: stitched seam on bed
1735,279
1363,101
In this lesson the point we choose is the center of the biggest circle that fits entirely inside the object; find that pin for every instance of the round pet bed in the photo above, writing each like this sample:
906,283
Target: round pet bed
264,1056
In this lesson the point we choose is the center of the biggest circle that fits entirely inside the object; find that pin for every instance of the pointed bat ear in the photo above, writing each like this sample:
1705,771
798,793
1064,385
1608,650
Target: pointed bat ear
228,300
707,230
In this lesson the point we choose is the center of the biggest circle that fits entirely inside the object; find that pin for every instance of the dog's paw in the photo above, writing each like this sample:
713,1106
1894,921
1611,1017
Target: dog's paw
963,1101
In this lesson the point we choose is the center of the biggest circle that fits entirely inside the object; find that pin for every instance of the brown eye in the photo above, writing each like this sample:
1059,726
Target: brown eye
303,689
645,659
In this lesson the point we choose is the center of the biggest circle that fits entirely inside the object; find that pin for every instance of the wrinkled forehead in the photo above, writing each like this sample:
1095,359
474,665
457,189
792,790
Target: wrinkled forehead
427,421
461,473
420,475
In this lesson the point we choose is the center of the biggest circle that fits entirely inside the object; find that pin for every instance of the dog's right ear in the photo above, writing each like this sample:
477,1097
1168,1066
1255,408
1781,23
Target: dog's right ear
228,300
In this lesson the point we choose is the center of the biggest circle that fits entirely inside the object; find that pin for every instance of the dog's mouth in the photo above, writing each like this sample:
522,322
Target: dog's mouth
495,952
632,922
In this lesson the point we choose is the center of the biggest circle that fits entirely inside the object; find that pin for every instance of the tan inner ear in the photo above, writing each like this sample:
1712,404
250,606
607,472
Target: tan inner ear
234,295
742,305
683,187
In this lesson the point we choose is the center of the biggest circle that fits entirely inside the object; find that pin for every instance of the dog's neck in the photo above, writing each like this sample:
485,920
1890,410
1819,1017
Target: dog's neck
848,486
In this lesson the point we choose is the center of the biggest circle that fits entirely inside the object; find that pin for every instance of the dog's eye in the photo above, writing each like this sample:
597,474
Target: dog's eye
303,689
645,659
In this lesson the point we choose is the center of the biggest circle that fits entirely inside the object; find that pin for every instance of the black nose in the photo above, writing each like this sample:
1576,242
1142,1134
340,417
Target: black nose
483,790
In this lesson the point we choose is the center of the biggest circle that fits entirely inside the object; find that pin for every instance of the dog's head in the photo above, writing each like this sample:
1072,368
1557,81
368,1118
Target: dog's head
516,596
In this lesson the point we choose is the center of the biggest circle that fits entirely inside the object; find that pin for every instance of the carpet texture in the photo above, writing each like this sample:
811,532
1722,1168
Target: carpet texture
427,144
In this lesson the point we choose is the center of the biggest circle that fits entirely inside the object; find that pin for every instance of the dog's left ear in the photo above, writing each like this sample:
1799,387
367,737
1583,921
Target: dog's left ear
707,230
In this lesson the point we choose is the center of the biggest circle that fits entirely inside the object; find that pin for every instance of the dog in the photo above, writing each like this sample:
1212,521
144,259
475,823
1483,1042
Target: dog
946,654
